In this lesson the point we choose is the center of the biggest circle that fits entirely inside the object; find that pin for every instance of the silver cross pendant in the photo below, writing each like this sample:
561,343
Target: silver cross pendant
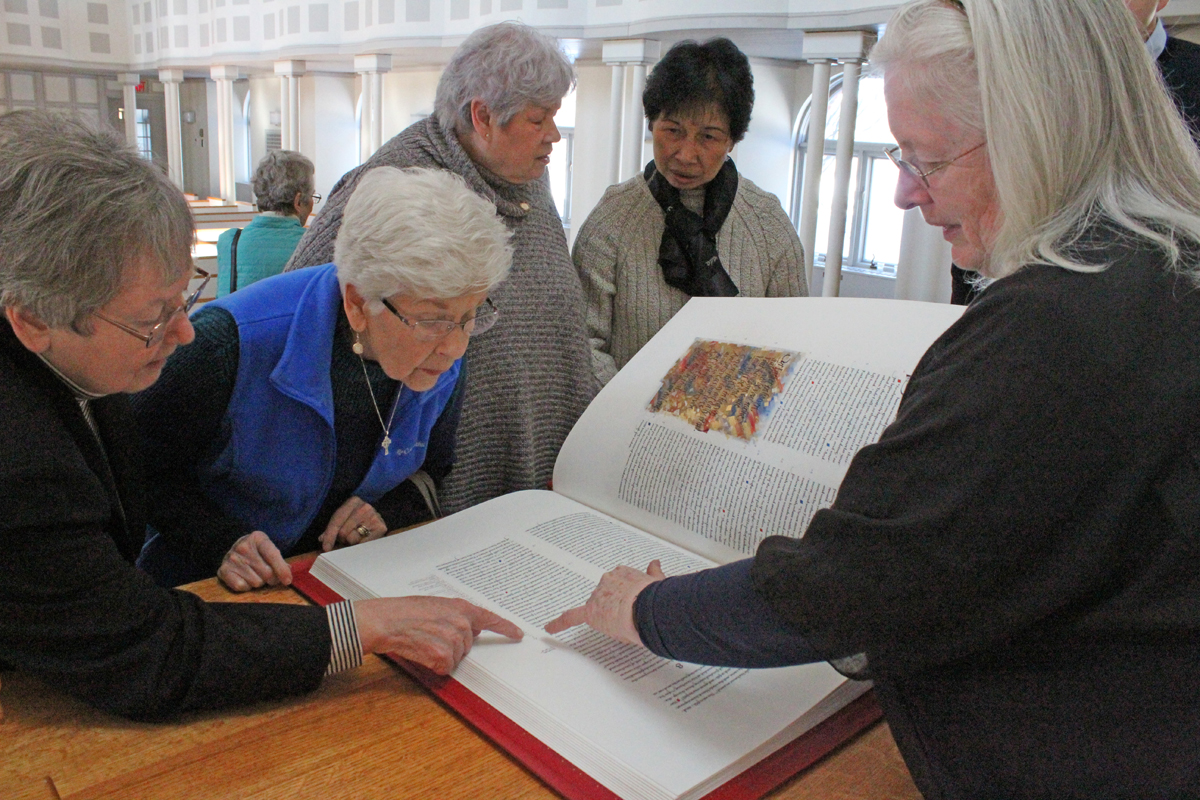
386,443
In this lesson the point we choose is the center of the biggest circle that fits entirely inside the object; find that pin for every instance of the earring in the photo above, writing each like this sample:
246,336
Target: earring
357,347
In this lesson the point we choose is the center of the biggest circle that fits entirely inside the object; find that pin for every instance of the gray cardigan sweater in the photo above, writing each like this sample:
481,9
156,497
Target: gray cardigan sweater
528,378
616,254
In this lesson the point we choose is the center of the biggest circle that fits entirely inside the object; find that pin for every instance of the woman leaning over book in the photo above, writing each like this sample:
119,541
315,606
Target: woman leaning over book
94,259
1016,563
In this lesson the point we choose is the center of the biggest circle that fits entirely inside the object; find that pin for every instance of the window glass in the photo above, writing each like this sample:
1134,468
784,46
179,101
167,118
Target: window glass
885,222
873,223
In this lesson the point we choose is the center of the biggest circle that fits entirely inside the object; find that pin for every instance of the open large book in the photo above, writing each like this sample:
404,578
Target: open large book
736,422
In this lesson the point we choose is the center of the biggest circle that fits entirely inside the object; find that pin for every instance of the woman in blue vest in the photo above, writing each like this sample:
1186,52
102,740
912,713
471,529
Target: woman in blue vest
318,408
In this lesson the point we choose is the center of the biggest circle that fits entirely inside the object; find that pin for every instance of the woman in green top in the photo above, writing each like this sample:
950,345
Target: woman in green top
283,189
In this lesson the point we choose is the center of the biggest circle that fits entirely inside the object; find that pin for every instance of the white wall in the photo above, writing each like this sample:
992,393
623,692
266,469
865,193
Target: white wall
593,132
328,133
765,154
264,101
407,95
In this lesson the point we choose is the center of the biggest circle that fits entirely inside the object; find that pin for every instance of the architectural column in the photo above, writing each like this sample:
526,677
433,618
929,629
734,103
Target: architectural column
814,159
634,139
372,68
225,76
171,78
289,73
635,54
129,84
841,179
820,48
615,115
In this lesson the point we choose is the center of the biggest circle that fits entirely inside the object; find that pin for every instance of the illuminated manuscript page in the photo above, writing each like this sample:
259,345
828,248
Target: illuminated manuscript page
717,494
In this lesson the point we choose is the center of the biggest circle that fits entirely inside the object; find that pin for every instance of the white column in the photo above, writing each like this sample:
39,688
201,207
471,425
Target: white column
628,126
821,47
129,84
289,73
841,179
372,68
225,76
635,122
171,78
814,159
615,116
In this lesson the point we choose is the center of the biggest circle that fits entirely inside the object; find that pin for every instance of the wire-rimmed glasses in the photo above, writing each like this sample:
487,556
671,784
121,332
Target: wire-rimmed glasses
431,330
923,175
156,334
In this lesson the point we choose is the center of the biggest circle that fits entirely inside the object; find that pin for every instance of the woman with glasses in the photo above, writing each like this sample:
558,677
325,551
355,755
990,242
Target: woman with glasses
1016,563
318,408
528,382
94,263
690,225
283,191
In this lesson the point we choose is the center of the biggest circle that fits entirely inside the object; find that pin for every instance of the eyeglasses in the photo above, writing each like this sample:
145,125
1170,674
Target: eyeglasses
431,330
316,199
156,334
916,172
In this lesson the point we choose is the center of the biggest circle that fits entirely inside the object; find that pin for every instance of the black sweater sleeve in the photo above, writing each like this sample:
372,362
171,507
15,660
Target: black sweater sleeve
181,419
716,617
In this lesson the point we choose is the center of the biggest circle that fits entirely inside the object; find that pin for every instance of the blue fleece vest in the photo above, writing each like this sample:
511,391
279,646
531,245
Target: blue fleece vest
278,462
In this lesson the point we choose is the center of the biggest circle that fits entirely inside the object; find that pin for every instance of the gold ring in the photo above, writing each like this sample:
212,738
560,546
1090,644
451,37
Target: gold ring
363,531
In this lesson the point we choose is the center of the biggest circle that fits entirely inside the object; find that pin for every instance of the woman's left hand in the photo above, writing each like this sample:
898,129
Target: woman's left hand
356,521
610,608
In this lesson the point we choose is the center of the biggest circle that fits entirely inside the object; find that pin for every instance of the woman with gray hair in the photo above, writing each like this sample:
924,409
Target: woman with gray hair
1016,563
94,260
531,378
319,407
283,190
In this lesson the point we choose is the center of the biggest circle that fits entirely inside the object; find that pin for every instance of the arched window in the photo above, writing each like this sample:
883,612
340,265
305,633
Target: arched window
873,223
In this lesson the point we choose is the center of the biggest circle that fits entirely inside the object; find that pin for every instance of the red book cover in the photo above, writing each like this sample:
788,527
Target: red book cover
567,779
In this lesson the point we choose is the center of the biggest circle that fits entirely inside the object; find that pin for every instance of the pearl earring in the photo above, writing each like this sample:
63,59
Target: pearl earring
357,347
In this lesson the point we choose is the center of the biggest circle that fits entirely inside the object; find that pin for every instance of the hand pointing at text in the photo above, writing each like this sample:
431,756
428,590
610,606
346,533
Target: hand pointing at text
610,608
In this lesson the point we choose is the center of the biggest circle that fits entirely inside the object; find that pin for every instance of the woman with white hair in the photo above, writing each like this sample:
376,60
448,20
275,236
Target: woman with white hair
319,407
531,378
283,192
1016,563
94,261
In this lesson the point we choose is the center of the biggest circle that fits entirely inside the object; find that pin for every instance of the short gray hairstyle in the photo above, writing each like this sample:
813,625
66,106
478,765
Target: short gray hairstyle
421,232
1078,123
77,205
280,176
508,66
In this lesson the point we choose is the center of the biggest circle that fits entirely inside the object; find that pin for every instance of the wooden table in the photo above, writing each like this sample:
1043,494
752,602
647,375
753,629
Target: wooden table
368,733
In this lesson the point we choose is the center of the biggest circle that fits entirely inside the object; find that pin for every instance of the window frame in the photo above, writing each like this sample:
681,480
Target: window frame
857,216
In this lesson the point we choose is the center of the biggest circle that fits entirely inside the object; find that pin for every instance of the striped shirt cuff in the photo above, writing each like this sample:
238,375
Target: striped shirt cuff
346,650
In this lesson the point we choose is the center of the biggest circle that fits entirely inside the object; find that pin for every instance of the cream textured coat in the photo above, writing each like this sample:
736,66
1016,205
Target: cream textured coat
616,254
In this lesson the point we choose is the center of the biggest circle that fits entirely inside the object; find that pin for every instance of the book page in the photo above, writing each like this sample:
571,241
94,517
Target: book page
655,449
598,702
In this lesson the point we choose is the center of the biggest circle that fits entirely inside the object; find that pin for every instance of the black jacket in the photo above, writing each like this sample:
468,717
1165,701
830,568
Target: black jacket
73,608
1180,66
1019,555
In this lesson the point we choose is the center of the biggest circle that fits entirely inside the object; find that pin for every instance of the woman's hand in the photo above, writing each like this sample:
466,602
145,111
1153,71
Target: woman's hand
356,521
610,608
435,632
254,561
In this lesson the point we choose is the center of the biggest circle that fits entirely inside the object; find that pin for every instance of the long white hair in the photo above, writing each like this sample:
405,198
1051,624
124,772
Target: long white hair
1078,123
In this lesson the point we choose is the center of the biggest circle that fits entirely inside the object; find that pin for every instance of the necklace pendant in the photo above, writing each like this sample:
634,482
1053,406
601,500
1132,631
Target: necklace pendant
386,443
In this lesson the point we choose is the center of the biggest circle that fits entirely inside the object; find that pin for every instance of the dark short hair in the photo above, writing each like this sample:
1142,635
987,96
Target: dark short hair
693,75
